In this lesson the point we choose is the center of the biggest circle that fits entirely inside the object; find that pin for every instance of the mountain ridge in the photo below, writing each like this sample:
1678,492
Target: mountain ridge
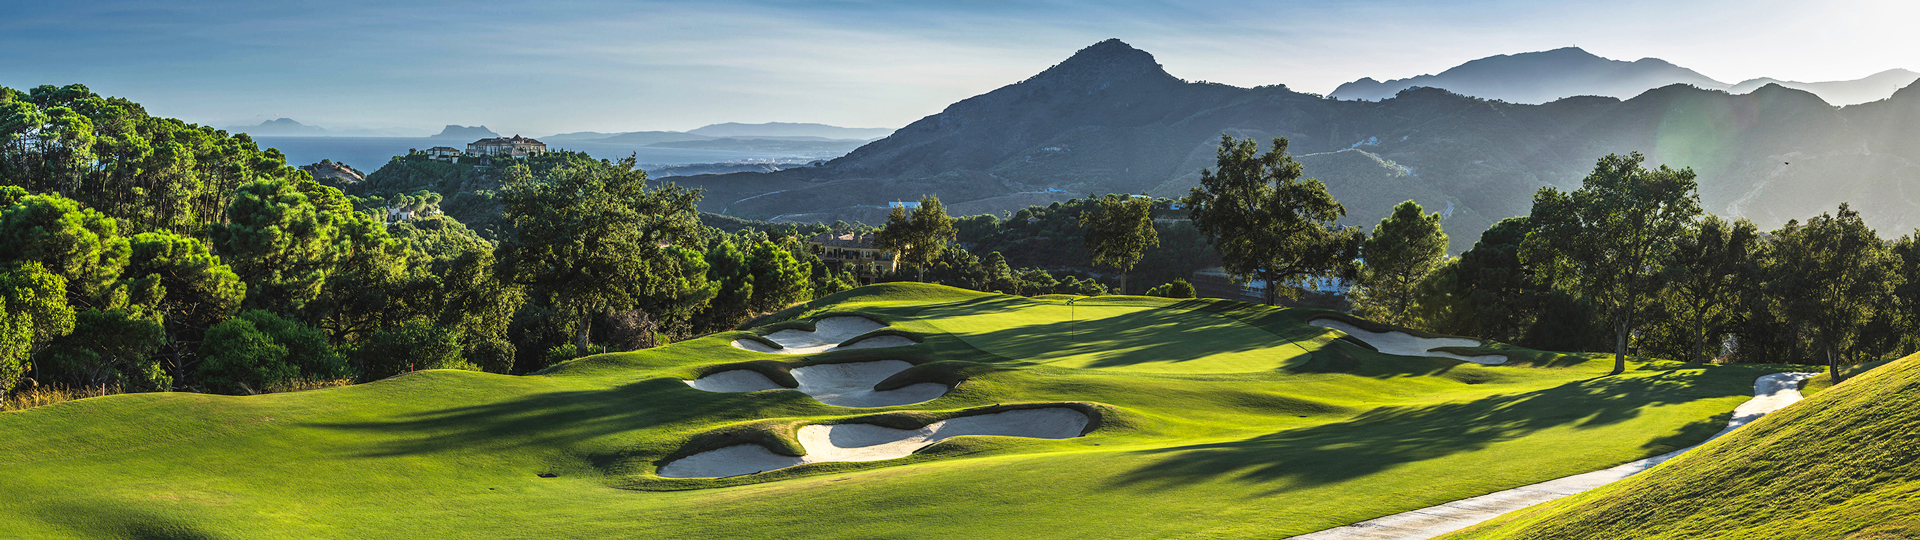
1543,76
1104,122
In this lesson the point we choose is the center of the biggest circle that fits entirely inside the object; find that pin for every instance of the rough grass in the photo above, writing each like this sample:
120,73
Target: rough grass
1842,464
1817,383
1216,419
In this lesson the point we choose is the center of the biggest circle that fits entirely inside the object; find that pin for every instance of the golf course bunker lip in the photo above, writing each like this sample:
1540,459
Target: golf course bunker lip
1404,344
867,442
828,334
849,384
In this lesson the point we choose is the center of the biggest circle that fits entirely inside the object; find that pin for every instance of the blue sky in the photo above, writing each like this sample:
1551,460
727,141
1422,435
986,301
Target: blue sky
597,65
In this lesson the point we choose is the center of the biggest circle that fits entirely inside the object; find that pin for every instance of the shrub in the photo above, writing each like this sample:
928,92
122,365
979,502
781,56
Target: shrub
411,346
1178,288
258,350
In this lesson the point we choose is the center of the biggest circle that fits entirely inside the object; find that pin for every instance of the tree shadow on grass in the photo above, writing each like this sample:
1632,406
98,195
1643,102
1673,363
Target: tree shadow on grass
564,420
1387,437
1145,336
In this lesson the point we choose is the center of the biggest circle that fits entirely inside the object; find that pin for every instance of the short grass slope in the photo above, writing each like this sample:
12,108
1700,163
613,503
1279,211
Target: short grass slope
1844,463
1203,419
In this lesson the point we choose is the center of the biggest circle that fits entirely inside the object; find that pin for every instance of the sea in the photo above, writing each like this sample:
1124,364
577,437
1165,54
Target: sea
368,154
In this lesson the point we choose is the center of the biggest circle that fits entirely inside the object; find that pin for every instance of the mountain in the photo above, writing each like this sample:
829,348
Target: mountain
1539,77
1844,463
280,127
777,130
465,133
652,137
1874,87
1110,119
823,148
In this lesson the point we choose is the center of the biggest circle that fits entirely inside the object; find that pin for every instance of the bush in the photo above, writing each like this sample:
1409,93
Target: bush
412,346
1178,288
238,358
258,350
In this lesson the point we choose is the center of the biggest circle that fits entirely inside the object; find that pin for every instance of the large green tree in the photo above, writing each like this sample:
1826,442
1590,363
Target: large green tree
196,291
1407,246
778,279
920,236
591,238
1830,273
280,243
1711,264
1269,222
1119,229
1612,240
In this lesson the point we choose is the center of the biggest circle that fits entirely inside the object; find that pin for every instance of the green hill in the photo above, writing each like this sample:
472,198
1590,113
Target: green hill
1206,419
1844,463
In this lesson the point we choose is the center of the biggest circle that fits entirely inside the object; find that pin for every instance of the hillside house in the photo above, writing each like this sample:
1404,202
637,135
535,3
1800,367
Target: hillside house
515,146
854,253
444,153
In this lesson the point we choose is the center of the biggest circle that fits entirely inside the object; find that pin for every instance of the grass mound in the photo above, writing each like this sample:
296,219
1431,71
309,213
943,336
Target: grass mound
1213,419
1844,463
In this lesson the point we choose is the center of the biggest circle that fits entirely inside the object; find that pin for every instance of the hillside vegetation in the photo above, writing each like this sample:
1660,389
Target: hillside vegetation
1211,419
1844,463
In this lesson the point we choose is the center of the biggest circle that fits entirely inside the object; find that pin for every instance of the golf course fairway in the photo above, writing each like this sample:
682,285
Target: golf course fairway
1204,419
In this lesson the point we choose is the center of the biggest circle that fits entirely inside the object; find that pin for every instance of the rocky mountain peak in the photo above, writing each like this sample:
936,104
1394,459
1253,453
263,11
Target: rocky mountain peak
1102,63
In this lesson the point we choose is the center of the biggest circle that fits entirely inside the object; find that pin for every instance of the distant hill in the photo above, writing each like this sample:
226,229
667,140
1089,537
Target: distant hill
652,137
473,133
810,148
772,130
1110,119
1874,87
280,127
1539,77
1844,463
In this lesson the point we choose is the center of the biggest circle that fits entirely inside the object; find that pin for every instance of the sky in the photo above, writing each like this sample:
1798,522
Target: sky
612,65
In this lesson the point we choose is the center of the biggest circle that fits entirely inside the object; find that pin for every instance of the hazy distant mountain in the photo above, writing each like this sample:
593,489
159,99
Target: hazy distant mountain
280,127
776,130
1539,77
651,137
1874,87
576,136
473,133
811,147
1110,119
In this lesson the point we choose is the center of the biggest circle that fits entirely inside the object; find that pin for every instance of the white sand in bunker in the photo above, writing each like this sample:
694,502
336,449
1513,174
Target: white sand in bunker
827,334
1404,344
848,384
868,442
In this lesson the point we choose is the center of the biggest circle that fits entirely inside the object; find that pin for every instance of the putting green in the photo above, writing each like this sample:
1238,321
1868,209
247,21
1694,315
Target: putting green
1202,430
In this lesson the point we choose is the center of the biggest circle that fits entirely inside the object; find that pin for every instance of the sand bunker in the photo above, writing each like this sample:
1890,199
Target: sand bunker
846,385
868,442
828,334
1404,344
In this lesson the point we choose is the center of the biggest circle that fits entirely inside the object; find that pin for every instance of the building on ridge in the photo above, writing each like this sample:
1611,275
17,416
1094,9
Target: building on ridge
515,146
444,153
855,253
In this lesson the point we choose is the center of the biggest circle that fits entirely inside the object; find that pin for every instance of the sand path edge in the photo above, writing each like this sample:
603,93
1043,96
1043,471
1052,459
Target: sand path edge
1770,393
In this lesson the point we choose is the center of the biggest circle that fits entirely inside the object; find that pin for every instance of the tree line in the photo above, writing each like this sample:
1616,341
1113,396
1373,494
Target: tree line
1627,263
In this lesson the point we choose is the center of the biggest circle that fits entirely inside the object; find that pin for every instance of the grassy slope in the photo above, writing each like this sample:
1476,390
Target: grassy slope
1842,464
1276,429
